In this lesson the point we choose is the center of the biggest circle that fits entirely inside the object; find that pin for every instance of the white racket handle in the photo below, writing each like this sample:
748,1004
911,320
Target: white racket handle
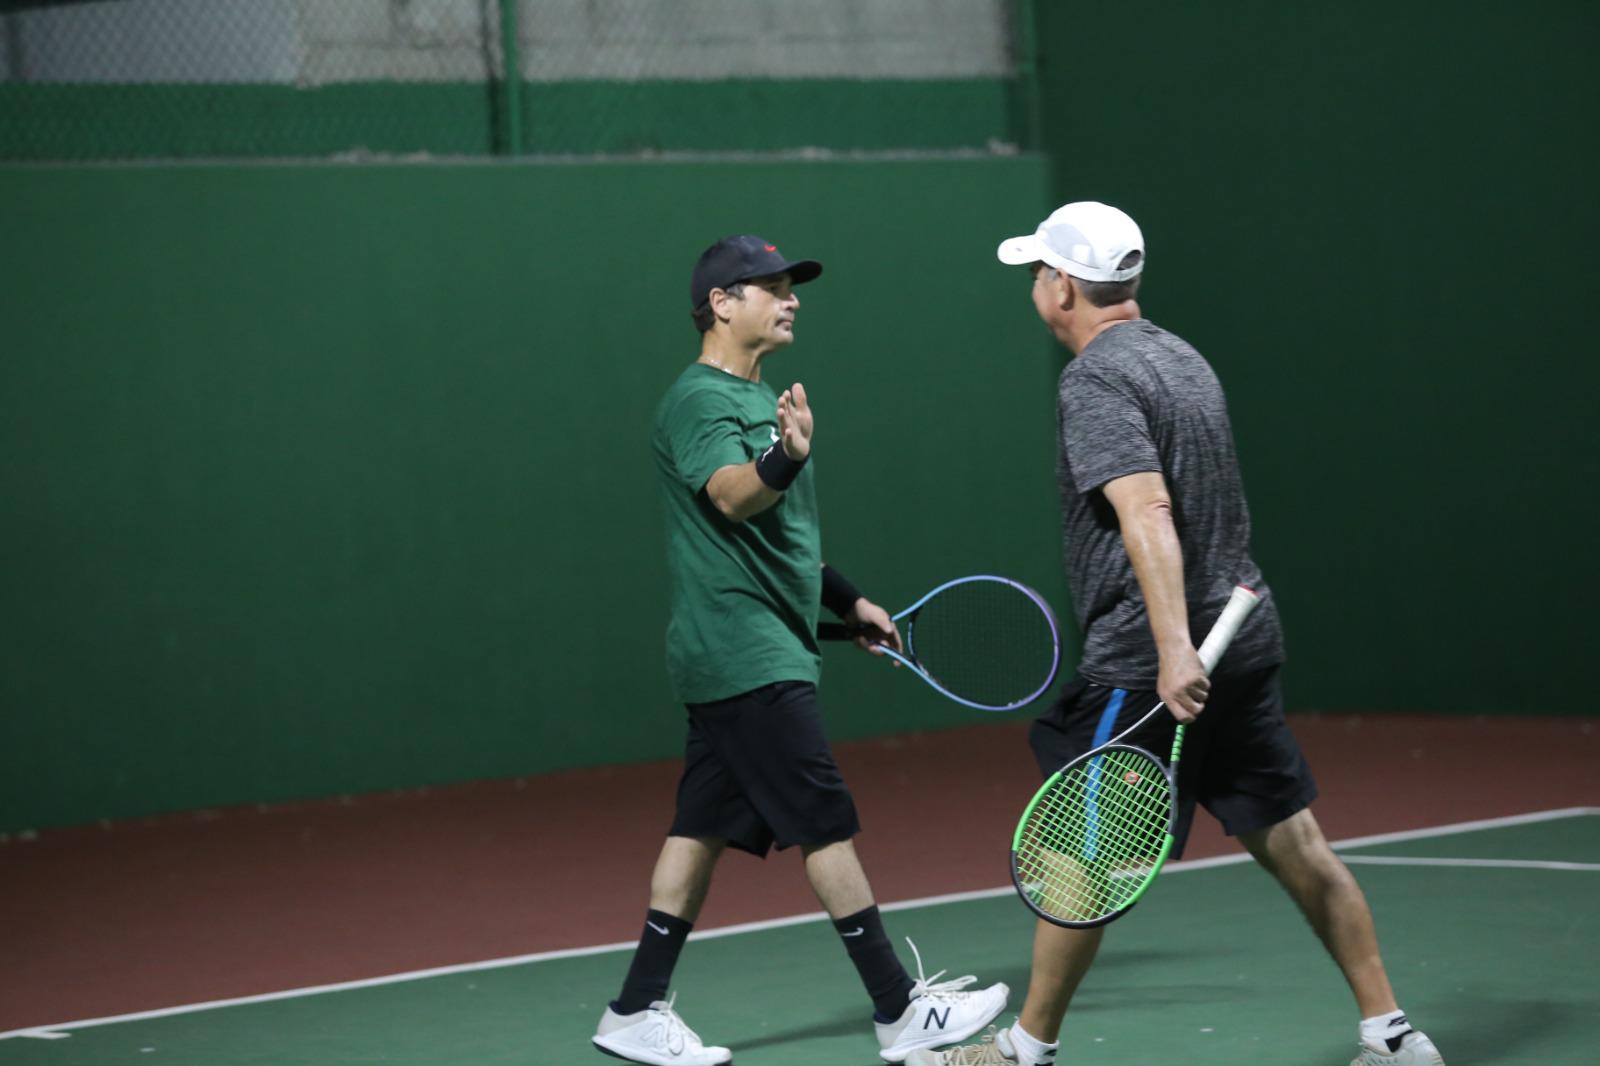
1226,627
1240,604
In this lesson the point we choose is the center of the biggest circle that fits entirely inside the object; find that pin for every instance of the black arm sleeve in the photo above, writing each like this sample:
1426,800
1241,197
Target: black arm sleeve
838,594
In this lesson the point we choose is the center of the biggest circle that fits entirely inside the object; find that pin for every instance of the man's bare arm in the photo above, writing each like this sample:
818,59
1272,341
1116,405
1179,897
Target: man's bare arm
1144,511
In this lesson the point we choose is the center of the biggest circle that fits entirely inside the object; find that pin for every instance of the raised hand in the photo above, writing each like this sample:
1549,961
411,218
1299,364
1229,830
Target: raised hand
794,422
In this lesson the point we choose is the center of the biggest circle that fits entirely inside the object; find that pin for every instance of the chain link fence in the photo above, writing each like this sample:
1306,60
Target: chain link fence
172,79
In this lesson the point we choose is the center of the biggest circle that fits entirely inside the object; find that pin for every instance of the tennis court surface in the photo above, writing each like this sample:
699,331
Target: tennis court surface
1489,928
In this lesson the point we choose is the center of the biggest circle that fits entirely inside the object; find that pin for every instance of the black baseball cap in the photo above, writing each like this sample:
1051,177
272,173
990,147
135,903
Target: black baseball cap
740,258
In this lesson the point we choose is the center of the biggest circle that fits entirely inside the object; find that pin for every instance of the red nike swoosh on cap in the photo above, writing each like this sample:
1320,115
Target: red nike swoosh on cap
771,247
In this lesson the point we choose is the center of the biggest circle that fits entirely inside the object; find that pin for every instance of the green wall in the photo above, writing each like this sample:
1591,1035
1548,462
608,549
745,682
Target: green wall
323,480
1379,222
332,479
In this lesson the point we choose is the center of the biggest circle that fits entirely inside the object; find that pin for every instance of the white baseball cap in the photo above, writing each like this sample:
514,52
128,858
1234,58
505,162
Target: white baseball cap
1087,239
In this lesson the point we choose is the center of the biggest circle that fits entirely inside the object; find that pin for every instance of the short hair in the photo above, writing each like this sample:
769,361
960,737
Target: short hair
704,319
1106,293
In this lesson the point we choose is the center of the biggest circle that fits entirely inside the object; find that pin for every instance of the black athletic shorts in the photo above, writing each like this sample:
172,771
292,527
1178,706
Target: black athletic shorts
758,772
1239,760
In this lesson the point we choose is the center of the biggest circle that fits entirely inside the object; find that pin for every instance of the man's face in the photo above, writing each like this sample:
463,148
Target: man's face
764,316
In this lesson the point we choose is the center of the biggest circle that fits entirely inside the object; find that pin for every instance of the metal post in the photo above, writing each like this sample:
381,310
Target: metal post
1027,38
510,81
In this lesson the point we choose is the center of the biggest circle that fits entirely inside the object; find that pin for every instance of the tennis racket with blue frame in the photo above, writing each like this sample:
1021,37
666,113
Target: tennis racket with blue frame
986,642
1093,838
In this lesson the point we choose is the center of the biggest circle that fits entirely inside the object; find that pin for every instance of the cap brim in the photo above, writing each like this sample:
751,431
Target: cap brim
1019,251
802,270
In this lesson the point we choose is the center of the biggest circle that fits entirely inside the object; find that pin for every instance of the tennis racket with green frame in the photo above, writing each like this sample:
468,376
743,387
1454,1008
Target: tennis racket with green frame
1098,831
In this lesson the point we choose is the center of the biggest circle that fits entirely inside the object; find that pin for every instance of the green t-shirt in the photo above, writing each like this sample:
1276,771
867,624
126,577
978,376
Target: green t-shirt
744,594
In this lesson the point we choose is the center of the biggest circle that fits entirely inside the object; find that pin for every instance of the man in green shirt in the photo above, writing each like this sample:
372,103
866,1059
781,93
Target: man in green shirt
747,577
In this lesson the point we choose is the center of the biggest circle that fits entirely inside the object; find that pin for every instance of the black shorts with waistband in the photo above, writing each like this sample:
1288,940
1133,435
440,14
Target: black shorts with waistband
1239,760
758,772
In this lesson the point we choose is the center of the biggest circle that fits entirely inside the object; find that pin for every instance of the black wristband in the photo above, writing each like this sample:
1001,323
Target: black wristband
776,470
838,595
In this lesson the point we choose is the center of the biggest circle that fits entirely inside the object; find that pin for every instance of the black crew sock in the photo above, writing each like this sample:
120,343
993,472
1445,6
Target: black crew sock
885,979
653,962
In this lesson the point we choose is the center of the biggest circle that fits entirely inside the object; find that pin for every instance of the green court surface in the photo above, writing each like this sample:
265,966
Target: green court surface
1213,967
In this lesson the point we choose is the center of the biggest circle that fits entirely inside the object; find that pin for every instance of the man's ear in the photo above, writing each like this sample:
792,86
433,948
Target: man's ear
718,301
1069,290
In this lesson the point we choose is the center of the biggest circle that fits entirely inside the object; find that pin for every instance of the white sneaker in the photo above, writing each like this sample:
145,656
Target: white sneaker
1415,1049
657,1036
995,1049
939,1014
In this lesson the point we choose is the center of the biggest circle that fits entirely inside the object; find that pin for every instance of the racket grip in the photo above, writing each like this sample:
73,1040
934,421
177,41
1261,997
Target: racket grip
1240,604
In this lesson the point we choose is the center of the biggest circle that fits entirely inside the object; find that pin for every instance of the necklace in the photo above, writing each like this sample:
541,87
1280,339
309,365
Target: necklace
708,361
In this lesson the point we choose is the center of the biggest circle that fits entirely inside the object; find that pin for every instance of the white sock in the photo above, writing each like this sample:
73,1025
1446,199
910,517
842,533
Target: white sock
1029,1048
1383,1032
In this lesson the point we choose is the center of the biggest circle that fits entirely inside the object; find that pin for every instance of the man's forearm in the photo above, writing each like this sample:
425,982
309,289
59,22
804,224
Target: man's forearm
1144,512
1152,544
739,493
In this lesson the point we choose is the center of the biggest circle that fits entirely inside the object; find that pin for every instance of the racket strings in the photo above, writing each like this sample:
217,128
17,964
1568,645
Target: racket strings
1090,844
985,641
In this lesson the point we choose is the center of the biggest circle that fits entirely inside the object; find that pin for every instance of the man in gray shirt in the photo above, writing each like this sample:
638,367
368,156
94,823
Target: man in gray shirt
1157,535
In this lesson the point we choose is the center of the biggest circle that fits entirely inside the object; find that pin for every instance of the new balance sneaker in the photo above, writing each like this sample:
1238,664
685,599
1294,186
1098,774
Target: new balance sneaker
939,1013
996,1048
656,1036
1411,1049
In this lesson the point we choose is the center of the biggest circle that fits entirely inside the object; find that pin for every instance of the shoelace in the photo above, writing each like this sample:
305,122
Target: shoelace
670,1029
925,986
984,1053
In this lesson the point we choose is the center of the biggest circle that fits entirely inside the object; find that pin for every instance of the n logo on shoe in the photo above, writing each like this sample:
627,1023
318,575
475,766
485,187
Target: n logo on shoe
934,1017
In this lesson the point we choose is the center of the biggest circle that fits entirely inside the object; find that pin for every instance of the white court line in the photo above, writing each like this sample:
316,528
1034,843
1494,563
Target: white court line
58,1031
1503,864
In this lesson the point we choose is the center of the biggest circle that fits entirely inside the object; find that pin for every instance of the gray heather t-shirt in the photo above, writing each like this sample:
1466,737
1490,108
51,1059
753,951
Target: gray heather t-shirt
1140,399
